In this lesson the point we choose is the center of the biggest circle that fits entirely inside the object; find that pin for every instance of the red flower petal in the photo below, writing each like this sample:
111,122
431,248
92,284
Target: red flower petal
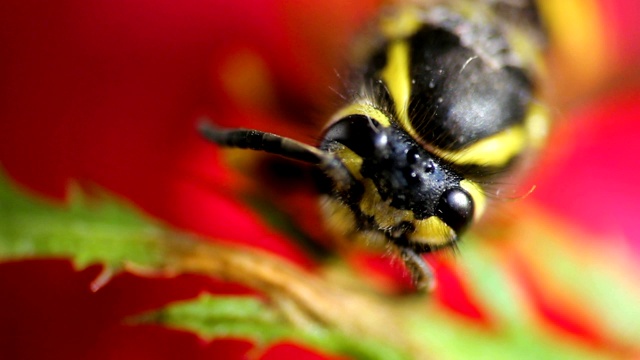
621,17
155,342
594,174
287,350
110,96
47,310
454,295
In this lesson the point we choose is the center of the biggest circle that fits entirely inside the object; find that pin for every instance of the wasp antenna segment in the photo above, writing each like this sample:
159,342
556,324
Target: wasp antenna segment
279,145
262,141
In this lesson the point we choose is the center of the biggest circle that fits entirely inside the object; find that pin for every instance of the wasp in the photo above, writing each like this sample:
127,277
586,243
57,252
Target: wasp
442,104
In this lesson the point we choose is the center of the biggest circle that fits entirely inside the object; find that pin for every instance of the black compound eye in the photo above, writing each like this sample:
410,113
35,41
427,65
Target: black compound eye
455,208
413,156
357,132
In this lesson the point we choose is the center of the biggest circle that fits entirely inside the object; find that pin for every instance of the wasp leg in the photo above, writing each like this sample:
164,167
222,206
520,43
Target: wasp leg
421,272
280,145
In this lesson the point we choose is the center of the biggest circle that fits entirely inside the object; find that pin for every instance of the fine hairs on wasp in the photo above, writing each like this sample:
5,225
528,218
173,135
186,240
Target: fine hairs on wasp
433,122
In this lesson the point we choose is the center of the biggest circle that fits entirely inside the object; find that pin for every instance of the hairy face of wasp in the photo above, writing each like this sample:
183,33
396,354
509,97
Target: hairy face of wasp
405,193
441,106
381,185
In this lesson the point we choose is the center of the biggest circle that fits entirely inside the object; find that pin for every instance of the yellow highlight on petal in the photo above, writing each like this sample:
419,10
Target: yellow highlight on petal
247,79
578,32
537,124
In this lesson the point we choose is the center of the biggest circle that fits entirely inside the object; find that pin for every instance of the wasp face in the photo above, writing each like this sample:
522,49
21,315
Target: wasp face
441,105
411,196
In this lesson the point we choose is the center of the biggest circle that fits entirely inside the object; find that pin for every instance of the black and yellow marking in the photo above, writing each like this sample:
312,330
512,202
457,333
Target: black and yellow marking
442,104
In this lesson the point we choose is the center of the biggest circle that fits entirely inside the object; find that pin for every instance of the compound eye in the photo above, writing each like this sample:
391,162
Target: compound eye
359,133
455,208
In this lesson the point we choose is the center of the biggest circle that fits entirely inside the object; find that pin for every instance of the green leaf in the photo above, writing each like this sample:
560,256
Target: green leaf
110,232
87,231
215,317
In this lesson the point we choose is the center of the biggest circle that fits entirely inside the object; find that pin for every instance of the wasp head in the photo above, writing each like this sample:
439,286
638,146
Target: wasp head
400,189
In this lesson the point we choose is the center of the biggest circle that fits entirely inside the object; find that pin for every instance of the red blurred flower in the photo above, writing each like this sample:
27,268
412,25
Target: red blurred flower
108,93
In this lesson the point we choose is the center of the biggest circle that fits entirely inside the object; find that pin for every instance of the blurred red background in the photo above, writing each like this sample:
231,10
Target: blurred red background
108,92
